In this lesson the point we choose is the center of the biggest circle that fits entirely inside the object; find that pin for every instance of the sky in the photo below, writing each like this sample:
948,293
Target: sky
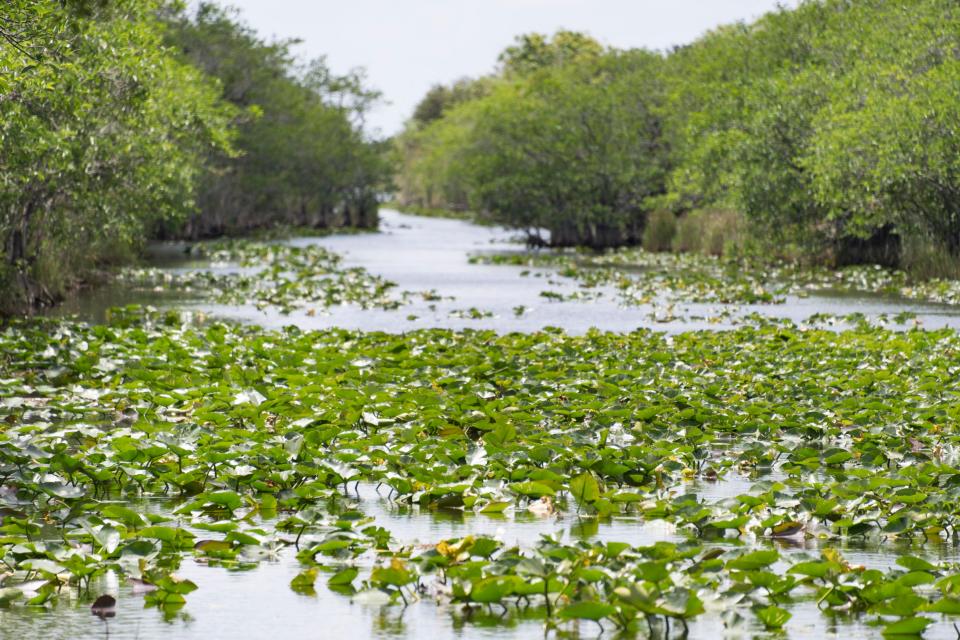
406,46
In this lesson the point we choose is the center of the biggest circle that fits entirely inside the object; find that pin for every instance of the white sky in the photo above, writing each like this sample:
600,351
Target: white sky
408,45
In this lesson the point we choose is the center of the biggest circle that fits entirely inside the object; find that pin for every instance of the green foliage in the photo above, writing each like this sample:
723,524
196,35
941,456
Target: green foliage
534,51
567,146
279,276
823,123
304,158
830,127
253,435
102,134
121,118
440,99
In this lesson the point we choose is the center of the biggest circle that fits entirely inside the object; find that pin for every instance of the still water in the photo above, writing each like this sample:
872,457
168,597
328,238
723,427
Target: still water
258,603
424,254
421,254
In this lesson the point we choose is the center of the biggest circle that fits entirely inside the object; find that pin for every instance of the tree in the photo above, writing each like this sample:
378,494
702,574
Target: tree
574,149
304,158
102,133
535,51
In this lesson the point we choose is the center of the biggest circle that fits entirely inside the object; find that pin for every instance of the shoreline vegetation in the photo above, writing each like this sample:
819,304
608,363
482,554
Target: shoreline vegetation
136,119
826,133
820,135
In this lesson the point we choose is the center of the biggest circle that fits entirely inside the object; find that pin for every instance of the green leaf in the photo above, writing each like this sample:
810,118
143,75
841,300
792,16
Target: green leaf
495,506
754,560
305,578
907,627
584,488
343,577
532,489
587,611
773,617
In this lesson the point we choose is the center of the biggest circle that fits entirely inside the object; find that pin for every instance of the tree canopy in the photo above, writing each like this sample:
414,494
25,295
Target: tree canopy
830,123
123,117
304,158
102,133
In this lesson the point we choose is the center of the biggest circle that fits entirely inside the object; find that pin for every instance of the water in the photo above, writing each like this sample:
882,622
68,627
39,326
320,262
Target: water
258,603
424,254
421,254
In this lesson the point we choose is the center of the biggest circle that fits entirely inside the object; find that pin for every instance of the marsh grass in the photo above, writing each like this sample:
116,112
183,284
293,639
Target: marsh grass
715,232
925,258
660,231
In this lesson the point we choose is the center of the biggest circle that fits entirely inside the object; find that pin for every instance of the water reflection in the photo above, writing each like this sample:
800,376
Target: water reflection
259,603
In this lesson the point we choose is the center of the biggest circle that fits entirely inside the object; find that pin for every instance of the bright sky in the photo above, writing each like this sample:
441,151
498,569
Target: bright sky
408,45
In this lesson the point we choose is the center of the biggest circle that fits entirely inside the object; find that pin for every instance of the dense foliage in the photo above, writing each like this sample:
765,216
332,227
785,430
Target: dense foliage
304,159
112,114
102,132
561,141
254,436
831,126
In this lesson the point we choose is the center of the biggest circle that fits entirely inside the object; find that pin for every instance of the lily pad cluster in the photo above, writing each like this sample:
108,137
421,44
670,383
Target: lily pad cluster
641,277
274,275
129,446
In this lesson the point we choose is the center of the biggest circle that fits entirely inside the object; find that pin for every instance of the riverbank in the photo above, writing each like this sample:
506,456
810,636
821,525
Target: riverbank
454,274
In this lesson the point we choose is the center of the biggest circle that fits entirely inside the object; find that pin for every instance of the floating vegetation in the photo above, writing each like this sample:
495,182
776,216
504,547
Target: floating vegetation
276,276
472,313
641,277
254,442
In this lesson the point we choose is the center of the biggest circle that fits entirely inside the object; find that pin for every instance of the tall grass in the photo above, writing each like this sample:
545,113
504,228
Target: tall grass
716,232
924,258
660,230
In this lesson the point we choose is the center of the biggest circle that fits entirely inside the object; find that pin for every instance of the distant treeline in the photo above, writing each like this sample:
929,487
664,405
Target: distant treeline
831,131
125,118
302,158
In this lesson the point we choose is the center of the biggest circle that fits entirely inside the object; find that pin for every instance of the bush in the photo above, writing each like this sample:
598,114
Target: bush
660,230
924,257
715,232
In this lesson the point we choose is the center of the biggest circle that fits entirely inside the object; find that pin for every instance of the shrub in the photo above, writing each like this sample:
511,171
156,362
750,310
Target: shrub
660,230
714,232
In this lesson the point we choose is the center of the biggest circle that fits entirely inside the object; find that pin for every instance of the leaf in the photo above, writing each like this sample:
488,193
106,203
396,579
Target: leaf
108,538
786,529
814,569
532,489
490,590
587,611
63,490
907,627
912,563
343,577
754,560
495,506
166,534
212,546
229,499
305,578
773,617
947,605
584,488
